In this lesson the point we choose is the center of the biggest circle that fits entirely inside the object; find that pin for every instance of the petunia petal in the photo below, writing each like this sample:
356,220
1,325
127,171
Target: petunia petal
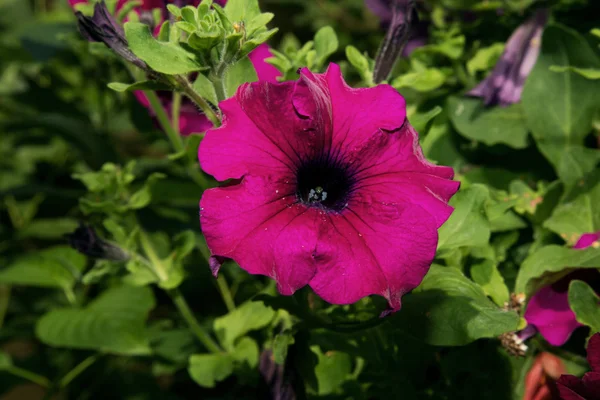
549,311
261,133
586,240
571,388
357,114
258,224
591,380
265,72
375,248
593,352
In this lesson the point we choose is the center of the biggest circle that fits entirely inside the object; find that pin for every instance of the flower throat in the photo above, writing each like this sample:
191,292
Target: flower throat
323,183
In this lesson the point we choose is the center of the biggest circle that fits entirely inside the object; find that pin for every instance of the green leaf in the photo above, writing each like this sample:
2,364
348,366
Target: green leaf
113,323
559,108
58,267
589,73
326,43
208,369
361,63
242,10
49,228
239,73
485,58
550,263
497,125
578,212
486,275
205,88
247,317
5,361
143,85
448,309
246,350
468,225
164,57
584,303
421,81
333,369
421,120
281,343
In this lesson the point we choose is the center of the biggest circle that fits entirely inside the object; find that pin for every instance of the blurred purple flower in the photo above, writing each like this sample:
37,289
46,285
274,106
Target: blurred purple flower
505,83
548,310
278,378
86,241
418,32
572,388
102,27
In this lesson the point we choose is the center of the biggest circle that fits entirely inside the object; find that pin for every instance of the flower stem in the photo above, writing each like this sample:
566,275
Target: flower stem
189,91
30,376
196,328
222,285
163,120
225,293
219,85
78,369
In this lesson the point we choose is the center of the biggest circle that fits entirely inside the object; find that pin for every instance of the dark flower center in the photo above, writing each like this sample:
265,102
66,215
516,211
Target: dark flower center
323,183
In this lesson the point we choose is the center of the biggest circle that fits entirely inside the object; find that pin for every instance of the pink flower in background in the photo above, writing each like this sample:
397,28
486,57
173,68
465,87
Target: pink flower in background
540,381
548,310
572,388
329,189
191,120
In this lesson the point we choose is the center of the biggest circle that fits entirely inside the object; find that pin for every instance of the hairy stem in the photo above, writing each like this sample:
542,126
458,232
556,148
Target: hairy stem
163,120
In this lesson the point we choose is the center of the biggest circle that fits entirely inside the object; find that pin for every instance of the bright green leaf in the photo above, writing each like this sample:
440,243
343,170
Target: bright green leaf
559,107
550,263
422,81
468,225
589,73
486,275
585,304
239,73
497,125
205,88
113,323
208,369
247,317
281,343
143,85
333,369
448,309
164,57
326,43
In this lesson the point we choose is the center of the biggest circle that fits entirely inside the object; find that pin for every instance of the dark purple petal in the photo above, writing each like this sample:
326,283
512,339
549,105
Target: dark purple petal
403,13
593,352
276,376
102,27
85,240
505,84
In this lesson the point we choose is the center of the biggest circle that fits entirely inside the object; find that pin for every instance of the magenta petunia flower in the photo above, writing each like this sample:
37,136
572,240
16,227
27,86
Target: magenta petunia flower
572,388
548,309
505,83
329,189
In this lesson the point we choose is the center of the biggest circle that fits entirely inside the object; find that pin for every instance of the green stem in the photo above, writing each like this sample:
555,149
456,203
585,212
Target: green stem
155,262
175,110
196,328
30,376
222,285
163,120
189,91
219,86
78,369
225,293
4,300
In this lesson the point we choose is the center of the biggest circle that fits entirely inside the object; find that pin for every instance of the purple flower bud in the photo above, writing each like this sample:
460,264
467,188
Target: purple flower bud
86,241
505,84
277,377
403,13
102,27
